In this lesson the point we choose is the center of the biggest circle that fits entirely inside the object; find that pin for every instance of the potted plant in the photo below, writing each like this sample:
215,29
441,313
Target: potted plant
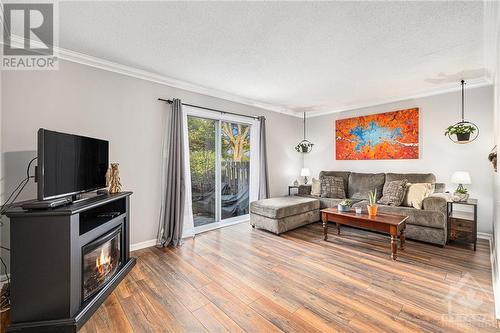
304,147
461,130
372,203
345,205
461,194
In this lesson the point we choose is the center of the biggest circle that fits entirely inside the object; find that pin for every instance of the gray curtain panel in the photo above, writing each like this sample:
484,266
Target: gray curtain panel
264,178
173,185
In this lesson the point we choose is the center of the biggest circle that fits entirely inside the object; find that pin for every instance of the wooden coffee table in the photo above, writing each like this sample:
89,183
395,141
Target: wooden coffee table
392,224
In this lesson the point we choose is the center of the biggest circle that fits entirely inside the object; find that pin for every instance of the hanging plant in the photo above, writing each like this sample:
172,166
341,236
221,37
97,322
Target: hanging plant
463,131
304,146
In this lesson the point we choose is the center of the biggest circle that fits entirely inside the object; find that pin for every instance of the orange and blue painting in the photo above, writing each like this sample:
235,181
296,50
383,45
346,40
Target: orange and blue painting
382,136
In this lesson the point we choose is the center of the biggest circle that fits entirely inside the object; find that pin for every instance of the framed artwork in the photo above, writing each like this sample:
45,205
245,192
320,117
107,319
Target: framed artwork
382,136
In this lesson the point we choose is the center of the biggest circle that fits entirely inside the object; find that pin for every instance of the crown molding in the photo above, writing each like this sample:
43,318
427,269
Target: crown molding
471,84
114,67
110,66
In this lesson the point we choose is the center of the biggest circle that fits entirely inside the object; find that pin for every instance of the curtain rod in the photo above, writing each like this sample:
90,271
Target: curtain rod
169,101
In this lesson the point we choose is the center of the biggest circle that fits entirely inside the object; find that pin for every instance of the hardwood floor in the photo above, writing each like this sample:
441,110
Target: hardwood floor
237,279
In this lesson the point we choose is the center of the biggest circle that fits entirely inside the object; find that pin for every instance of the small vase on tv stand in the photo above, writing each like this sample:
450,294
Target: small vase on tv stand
113,179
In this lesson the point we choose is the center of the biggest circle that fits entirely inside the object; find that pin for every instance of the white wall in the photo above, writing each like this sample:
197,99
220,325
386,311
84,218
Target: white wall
124,110
438,154
496,221
3,253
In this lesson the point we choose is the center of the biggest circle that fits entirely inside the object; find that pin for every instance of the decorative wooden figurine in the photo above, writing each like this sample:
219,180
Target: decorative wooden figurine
113,179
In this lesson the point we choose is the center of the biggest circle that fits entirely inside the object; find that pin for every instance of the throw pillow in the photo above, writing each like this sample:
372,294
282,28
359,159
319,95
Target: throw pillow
416,193
394,193
316,187
332,187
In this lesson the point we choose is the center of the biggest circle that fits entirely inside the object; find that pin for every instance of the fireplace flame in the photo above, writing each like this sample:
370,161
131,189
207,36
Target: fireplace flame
102,261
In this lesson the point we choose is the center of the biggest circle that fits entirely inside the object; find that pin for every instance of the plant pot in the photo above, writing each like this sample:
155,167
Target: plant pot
342,208
372,210
463,136
457,197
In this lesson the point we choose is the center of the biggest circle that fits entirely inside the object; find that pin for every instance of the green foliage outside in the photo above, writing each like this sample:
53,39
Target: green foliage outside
235,147
201,150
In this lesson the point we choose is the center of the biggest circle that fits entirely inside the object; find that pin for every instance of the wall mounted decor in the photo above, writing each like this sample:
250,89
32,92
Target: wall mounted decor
382,136
463,131
492,157
304,146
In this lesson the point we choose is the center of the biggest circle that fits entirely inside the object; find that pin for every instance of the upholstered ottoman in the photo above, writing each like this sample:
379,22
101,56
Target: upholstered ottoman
283,213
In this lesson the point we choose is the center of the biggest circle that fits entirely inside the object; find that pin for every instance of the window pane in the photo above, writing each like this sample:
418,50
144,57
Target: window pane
202,164
235,169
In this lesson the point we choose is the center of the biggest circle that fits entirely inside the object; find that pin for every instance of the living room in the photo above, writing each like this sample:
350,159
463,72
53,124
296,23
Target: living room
225,129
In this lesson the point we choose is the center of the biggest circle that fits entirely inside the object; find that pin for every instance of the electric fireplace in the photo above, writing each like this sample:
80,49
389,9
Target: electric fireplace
66,261
101,260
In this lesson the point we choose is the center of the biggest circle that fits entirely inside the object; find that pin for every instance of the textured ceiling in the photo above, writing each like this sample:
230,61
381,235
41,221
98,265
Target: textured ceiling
305,56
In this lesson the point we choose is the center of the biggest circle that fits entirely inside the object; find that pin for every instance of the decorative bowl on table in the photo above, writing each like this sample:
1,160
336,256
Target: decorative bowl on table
344,205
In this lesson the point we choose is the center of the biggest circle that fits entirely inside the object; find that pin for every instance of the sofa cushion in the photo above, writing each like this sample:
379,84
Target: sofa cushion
281,207
332,187
425,218
343,174
393,193
411,177
416,193
316,187
361,183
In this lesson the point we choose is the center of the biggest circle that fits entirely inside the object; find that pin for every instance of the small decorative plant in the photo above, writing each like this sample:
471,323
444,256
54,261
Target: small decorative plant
304,147
345,205
346,202
460,194
461,130
372,203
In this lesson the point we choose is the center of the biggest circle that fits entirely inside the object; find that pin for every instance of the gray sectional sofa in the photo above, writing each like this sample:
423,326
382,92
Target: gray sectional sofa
282,214
427,224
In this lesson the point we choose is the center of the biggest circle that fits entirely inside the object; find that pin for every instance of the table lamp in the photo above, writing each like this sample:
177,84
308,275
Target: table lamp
461,178
305,172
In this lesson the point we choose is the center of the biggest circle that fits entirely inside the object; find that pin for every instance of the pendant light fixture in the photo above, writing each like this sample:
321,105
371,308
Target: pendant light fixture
304,146
464,131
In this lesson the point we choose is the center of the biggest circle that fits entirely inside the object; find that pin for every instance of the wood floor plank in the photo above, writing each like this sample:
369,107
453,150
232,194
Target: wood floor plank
215,320
238,311
237,279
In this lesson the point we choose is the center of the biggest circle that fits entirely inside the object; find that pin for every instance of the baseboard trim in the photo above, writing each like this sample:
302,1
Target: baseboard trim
485,235
142,245
152,242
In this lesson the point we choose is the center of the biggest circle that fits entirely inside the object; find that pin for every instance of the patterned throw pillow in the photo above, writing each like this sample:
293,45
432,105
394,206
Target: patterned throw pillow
332,187
394,193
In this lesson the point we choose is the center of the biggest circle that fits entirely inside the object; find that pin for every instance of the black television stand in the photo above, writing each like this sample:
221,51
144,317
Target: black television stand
48,252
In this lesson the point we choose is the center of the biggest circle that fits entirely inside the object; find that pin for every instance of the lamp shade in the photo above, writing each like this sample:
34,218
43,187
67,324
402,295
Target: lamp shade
460,177
305,172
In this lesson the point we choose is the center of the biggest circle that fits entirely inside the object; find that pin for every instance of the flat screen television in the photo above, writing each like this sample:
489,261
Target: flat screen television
70,164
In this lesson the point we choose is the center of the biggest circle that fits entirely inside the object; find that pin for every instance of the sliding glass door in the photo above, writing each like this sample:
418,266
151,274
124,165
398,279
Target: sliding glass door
202,158
235,169
220,162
